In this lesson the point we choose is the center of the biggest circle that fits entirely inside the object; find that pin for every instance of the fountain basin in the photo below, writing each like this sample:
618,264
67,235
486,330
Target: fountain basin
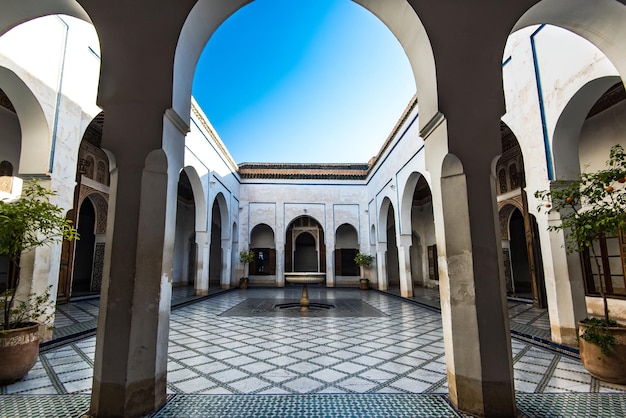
304,278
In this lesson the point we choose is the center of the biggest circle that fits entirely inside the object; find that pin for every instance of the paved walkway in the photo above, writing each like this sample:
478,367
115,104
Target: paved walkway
388,364
526,321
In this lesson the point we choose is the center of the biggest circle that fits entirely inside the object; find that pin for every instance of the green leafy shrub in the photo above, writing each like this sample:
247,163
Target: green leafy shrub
25,223
363,260
591,207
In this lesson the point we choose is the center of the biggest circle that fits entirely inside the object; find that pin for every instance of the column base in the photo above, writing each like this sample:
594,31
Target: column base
135,400
482,399
564,335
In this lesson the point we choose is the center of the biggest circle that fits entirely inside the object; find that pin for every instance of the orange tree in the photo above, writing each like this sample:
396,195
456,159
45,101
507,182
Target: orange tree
591,207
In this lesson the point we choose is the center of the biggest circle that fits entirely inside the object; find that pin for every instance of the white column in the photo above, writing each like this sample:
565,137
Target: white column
564,282
226,263
381,268
330,265
280,264
130,368
201,283
404,264
474,313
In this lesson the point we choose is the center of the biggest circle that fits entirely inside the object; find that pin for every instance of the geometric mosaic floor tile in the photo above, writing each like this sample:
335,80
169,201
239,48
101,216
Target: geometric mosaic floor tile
572,405
391,365
49,406
319,405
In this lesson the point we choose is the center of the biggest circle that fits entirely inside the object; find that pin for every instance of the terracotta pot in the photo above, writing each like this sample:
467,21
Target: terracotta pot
19,350
609,367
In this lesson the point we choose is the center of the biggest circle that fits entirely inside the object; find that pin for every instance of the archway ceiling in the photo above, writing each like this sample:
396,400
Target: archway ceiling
613,96
6,102
421,195
93,133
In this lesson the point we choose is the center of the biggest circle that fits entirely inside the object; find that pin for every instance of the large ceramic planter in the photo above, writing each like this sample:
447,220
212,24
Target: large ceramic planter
609,367
19,349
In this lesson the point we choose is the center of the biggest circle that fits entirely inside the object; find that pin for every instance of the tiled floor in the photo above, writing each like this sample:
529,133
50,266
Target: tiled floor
389,365
76,312
79,318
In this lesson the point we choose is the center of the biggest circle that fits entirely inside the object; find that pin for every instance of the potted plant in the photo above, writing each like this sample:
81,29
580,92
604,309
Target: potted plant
26,223
363,261
245,257
591,208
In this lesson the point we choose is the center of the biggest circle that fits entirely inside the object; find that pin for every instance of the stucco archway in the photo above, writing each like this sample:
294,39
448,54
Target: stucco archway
417,212
198,196
601,22
263,244
186,251
305,246
346,248
220,231
36,139
565,142
15,12
398,15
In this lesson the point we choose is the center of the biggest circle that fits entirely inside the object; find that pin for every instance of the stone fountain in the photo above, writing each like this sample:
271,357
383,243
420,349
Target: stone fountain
304,278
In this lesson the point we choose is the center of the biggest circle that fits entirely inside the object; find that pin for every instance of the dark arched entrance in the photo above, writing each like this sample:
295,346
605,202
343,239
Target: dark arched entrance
393,267
304,246
83,255
215,248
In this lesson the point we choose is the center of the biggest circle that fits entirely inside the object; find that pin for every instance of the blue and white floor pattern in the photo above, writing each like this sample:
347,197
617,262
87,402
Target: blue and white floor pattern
389,365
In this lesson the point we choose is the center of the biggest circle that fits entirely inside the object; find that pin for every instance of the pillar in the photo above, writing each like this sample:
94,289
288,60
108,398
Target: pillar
404,264
381,268
473,299
565,289
226,263
330,265
201,284
130,370
280,264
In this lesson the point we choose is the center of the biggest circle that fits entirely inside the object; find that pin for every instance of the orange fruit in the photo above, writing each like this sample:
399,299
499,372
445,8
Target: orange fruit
609,189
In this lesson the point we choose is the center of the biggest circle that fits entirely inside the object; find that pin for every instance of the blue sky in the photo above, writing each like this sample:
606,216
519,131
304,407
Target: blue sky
303,81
